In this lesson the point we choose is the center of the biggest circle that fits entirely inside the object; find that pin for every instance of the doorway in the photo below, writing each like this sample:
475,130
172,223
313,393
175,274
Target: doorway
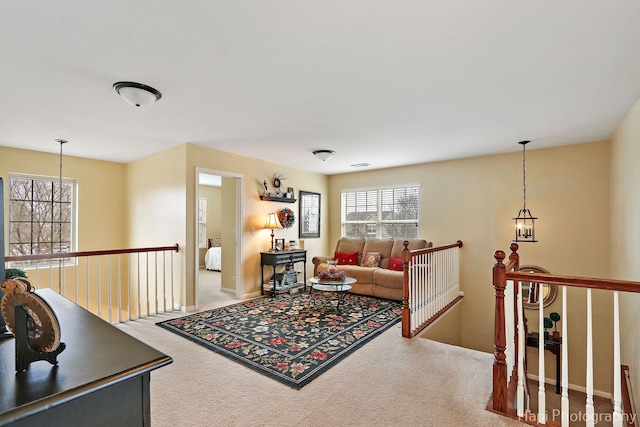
219,196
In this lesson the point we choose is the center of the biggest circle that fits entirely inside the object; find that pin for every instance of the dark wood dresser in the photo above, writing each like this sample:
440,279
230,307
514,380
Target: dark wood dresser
102,377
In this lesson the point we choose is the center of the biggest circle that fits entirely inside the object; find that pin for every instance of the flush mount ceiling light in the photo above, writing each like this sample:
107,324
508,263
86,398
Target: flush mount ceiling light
324,155
136,93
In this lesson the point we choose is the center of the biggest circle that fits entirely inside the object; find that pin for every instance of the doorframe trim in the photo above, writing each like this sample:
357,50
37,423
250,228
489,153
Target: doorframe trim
239,226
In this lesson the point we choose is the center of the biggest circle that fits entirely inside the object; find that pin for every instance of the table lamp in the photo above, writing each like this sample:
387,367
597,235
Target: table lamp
272,223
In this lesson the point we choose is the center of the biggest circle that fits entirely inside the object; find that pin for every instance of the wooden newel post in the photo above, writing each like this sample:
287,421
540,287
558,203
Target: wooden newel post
499,339
406,310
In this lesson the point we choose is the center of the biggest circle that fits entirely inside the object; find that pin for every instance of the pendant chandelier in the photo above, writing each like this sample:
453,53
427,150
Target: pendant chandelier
525,222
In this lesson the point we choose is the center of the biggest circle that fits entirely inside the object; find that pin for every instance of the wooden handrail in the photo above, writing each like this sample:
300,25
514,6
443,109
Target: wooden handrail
416,252
18,258
573,281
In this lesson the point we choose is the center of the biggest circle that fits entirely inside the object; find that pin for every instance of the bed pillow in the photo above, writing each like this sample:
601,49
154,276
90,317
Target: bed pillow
346,258
371,259
395,264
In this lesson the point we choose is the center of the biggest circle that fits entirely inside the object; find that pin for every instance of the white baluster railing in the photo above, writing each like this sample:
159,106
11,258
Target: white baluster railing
564,400
431,285
542,408
504,335
522,398
510,329
107,291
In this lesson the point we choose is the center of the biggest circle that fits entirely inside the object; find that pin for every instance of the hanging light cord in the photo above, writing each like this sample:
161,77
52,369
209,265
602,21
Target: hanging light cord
61,141
524,178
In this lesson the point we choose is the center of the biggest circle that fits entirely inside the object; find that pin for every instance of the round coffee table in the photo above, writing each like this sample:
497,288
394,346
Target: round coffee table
341,287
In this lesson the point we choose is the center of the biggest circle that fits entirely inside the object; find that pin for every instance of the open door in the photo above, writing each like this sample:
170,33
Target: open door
224,220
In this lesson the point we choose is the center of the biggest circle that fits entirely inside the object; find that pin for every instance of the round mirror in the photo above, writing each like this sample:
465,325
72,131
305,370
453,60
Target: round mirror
531,290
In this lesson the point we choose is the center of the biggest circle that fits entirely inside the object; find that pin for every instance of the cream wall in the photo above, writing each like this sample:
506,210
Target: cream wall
253,238
151,202
474,200
156,200
625,234
101,201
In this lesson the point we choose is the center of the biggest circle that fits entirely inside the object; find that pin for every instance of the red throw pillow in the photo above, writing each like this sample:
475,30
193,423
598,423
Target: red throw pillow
345,258
395,264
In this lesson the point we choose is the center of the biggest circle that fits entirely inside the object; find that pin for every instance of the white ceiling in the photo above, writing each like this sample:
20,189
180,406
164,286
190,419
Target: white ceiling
383,82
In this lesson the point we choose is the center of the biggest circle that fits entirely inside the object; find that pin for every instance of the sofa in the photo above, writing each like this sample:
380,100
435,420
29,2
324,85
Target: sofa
384,280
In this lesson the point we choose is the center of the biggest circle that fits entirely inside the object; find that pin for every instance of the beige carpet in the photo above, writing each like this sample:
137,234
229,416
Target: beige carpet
210,294
390,381
577,402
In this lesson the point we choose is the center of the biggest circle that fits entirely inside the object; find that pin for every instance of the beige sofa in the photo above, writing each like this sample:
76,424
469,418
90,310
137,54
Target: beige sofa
374,281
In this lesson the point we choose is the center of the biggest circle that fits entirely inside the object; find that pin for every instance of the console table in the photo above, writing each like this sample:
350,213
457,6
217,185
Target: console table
550,345
278,258
102,377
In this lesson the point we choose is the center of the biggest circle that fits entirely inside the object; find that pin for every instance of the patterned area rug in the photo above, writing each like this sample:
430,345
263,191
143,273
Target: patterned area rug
289,338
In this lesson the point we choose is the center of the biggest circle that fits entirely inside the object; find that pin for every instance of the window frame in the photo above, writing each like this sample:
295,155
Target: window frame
202,223
375,220
73,222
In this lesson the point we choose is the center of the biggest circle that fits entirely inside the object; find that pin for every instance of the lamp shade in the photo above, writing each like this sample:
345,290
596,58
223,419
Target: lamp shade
272,221
137,94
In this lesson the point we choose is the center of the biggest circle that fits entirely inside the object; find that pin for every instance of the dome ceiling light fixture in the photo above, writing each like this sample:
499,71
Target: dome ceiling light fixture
324,155
137,94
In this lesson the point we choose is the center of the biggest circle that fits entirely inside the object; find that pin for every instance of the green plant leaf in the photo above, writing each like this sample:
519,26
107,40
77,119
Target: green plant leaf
12,273
548,323
555,316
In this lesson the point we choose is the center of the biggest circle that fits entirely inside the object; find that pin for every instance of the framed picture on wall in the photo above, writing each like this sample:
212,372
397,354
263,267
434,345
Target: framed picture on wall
309,215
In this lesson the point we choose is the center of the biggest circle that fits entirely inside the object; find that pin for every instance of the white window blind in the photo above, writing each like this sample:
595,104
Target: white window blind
384,213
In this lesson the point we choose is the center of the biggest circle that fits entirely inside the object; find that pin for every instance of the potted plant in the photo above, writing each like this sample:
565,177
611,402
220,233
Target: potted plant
548,323
12,273
555,318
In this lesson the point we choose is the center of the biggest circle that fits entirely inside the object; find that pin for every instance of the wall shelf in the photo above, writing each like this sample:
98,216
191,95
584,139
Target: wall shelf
277,199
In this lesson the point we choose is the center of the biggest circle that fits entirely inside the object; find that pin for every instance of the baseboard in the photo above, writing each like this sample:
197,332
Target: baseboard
228,290
256,294
581,389
183,309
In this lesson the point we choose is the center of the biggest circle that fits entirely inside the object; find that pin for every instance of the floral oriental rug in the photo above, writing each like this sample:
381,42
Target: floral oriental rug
289,338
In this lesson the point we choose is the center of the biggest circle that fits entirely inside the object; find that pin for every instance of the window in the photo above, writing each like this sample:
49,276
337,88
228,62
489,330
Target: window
202,223
41,219
384,213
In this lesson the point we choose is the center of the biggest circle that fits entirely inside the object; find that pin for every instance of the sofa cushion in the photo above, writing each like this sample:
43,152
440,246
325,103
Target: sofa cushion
370,259
382,246
388,278
395,264
344,258
414,244
351,244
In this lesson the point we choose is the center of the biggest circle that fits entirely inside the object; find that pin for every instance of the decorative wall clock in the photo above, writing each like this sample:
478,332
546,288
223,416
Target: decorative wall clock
35,326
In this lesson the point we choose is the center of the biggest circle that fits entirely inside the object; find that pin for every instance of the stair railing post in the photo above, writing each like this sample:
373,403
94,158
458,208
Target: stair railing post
406,310
499,340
